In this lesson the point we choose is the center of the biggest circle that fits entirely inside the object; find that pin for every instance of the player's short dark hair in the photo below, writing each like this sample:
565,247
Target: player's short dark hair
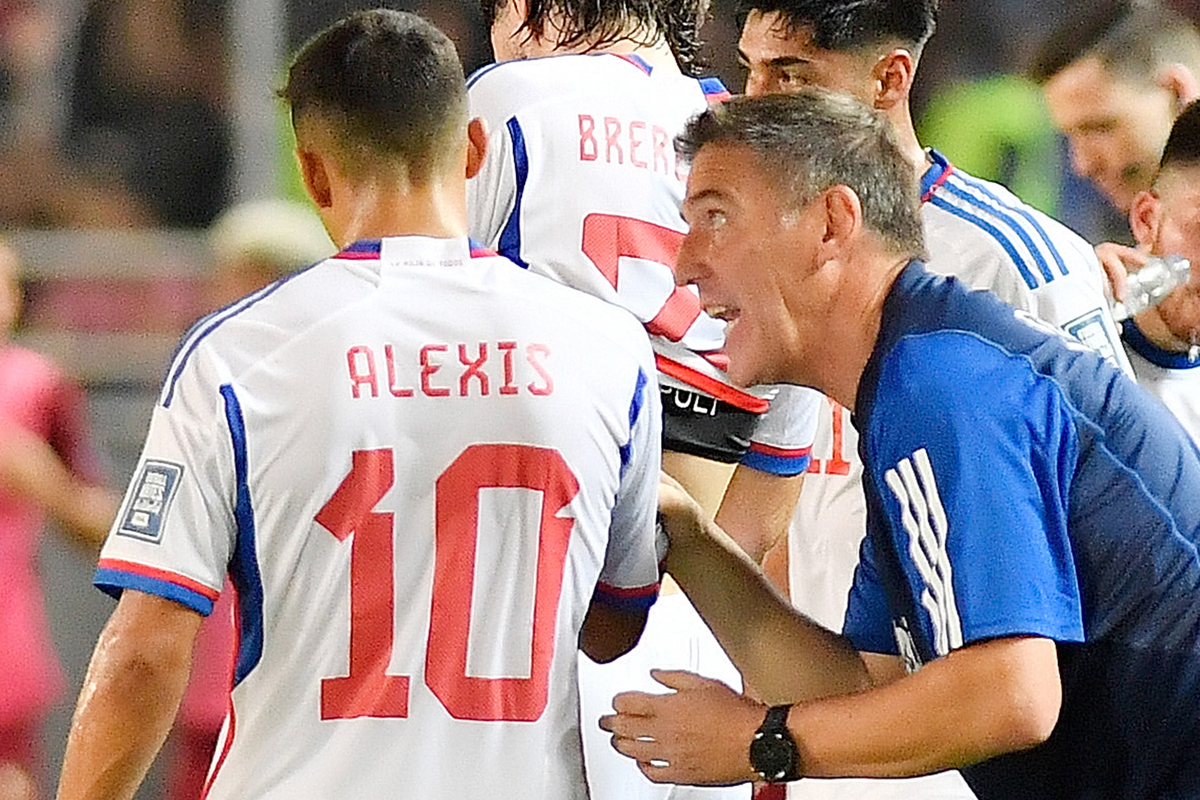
1133,39
604,22
1183,145
852,24
389,84
810,141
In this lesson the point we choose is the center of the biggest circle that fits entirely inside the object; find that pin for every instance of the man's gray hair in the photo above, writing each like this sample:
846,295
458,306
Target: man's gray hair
810,141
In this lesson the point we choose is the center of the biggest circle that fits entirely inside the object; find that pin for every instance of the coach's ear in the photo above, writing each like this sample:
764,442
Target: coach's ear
477,145
316,178
843,221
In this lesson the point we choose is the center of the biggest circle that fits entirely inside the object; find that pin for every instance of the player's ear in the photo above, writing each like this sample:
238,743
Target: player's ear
1145,217
316,177
1181,83
477,145
893,74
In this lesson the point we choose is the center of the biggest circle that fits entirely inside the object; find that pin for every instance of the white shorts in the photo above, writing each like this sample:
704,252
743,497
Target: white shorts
675,638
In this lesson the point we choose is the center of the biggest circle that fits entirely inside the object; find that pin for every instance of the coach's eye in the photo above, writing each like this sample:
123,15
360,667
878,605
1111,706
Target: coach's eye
715,218
790,77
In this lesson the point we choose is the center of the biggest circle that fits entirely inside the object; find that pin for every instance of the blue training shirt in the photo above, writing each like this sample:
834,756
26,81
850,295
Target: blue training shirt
1018,484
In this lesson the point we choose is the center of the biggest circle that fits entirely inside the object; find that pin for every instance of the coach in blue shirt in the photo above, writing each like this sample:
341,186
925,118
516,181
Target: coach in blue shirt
1027,604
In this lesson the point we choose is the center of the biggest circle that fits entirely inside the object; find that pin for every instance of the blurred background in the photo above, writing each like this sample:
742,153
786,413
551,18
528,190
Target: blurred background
128,127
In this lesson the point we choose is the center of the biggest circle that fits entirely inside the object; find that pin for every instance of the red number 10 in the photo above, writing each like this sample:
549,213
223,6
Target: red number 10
368,691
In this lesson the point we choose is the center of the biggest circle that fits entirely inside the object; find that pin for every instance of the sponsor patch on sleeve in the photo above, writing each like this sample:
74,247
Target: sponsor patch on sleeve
149,500
1091,330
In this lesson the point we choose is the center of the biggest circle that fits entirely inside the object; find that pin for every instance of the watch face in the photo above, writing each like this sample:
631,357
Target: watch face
772,755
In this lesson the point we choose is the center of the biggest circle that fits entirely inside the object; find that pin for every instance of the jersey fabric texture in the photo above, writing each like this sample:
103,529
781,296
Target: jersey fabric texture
986,237
1174,378
417,464
37,396
1019,485
581,183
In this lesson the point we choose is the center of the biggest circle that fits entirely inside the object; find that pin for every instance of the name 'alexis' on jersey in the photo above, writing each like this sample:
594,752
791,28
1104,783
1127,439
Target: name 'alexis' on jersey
507,368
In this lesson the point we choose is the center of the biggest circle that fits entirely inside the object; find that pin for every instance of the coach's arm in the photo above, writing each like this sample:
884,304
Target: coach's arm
133,688
854,714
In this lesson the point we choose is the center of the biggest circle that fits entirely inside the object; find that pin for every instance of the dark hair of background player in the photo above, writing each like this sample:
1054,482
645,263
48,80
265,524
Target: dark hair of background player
810,141
599,23
850,24
1183,147
389,84
1133,40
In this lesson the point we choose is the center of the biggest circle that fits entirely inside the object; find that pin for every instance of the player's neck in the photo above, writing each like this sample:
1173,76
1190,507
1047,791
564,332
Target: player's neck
1152,325
437,209
906,137
658,56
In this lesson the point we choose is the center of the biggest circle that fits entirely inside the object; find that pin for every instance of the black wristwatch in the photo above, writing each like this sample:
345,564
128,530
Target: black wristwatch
773,752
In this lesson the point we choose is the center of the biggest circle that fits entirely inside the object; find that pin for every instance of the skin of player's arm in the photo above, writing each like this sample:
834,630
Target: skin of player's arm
757,509
132,691
757,626
609,633
984,700
30,468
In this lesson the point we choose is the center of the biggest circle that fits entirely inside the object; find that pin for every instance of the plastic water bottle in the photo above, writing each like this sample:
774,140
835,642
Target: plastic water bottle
1150,284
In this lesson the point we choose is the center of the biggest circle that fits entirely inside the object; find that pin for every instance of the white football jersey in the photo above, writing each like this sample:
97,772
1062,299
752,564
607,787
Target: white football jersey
984,235
581,183
1174,378
416,463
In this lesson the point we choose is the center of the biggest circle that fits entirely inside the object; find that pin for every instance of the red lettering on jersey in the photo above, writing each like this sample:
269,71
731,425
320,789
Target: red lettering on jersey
473,370
531,354
612,131
836,463
635,143
587,138
660,139
507,348
427,370
389,356
359,379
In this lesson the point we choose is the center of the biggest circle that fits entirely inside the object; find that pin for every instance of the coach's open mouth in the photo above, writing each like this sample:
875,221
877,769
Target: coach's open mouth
725,313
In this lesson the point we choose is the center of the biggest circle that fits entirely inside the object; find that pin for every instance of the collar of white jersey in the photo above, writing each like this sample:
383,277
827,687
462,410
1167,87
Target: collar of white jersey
425,251
1140,344
939,170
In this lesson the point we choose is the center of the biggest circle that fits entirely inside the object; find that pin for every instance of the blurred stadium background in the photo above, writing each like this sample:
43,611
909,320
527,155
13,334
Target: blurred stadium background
128,126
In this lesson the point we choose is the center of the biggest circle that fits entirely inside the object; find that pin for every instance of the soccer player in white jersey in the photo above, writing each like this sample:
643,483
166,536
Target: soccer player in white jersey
1163,342
582,184
974,230
431,476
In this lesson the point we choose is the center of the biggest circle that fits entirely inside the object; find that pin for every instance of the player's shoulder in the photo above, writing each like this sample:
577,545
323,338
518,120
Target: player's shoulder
509,86
604,322
530,79
243,332
994,224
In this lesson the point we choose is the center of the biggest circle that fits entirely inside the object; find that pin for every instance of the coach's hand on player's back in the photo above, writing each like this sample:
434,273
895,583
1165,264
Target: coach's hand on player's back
697,734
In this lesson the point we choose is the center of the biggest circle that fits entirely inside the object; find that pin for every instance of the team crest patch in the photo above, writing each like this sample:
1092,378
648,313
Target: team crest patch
149,500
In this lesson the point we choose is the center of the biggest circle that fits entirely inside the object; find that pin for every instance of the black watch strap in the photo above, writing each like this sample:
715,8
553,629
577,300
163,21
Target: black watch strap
773,752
